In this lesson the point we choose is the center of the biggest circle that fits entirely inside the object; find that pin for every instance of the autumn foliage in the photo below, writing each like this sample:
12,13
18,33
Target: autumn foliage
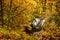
18,14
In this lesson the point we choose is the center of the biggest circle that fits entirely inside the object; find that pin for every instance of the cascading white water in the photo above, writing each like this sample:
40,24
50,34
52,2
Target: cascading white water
38,22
